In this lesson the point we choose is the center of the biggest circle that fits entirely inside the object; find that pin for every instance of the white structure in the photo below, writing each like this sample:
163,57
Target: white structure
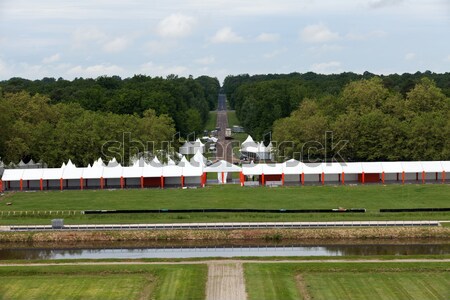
189,148
194,174
254,150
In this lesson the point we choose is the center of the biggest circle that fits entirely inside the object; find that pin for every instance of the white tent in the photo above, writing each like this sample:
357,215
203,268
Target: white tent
113,163
198,159
222,168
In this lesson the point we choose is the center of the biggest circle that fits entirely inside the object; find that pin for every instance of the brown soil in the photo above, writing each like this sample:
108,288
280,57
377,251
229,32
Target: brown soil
302,287
225,281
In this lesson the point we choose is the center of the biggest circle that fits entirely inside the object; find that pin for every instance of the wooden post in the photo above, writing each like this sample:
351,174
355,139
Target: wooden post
343,178
142,182
303,178
382,177
61,184
21,184
101,183
162,181
323,178
121,182
182,181
41,185
81,183
403,177
423,177
363,178
282,179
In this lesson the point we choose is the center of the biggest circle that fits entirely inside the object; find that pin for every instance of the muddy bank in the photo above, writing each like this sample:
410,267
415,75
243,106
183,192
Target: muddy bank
238,234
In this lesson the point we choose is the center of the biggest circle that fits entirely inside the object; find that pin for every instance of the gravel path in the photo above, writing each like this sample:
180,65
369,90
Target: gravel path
225,281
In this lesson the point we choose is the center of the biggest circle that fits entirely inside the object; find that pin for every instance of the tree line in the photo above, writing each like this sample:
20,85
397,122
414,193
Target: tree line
395,117
33,128
186,100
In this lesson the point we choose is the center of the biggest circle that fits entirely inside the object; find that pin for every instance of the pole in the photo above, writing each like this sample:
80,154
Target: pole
262,179
363,178
81,183
61,184
343,178
303,178
162,181
382,177
101,183
323,178
282,179
41,186
403,177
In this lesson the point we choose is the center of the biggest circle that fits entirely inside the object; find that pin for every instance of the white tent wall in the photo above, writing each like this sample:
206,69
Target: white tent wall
72,184
292,179
32,184
192,181
332,178
91,183
111,183
12,185
132,182
51,184
172,181
392,177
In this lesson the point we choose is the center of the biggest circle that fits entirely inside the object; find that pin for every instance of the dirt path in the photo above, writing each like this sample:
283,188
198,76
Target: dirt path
302,287
224,147
225,281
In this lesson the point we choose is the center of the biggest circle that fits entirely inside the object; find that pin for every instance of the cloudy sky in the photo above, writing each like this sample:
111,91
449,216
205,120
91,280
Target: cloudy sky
87,38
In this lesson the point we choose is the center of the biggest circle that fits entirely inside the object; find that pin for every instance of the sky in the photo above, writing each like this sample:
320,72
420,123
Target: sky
87,38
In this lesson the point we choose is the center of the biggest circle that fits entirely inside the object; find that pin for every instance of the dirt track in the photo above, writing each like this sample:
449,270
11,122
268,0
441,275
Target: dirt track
225,281
224,150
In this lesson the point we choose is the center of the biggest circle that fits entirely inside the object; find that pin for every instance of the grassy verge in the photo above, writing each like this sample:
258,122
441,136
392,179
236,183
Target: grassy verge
103,282
229,235
430,280
371,197
212,121
34,208
232,118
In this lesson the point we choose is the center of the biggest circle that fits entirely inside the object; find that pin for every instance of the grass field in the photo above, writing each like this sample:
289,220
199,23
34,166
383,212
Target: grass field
212,121
348,281
232,118
103,282
371,197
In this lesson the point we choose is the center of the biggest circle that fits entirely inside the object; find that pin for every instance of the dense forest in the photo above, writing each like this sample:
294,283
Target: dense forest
53,120
32,128
186,100
395,117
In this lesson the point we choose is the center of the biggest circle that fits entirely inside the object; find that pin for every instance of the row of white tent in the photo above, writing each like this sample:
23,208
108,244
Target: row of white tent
249,146
193,173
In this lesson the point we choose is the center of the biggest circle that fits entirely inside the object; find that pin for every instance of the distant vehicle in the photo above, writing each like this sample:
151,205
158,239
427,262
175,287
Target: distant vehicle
228,133
217,129
238,129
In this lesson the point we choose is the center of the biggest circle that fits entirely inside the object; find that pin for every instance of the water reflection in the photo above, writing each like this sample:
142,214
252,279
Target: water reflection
149,249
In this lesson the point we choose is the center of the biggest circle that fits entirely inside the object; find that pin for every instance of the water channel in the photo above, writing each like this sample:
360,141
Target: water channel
127,250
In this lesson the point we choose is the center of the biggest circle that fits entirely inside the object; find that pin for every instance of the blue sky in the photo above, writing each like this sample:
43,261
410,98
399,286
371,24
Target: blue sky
69,39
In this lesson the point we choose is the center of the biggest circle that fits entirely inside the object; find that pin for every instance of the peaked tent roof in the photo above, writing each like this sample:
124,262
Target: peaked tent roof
222,166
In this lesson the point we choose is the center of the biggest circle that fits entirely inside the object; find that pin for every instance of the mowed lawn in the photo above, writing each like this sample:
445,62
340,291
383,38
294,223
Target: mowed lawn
348,281
371,197
103,282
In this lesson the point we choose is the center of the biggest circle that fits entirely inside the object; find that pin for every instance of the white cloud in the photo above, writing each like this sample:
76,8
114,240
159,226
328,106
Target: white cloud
410,56
268,37
116,45
51,59
274,53
83,36
327,67
318,33
176,26
95,70
160,47
365,36
226,35
160,70
207,60
383,3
